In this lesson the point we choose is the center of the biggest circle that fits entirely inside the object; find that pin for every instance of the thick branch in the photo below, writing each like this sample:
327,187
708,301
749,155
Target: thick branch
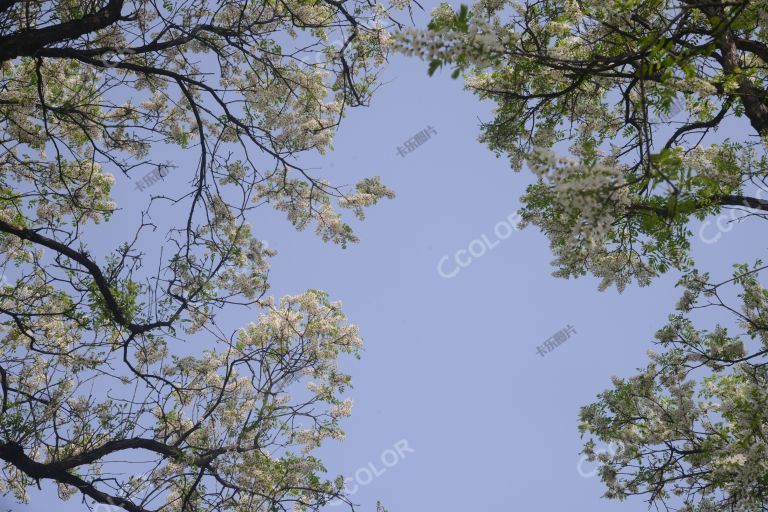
79,257
747,202
14,454
7,4
720,200
28,42
756,47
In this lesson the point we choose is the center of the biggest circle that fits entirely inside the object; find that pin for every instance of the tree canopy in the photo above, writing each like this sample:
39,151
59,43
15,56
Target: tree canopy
118,382
586,93
583,92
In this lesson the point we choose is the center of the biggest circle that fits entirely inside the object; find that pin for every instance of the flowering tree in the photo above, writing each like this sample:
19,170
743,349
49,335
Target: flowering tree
121,381
587,93
602,77
688,431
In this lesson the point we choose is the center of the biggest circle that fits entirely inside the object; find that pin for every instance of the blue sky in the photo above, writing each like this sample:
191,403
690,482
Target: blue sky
450,365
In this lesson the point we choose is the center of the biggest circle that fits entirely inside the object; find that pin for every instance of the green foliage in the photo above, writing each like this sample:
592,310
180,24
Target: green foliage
590,76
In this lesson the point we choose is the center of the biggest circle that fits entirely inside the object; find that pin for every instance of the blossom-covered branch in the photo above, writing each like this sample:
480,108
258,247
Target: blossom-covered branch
121,379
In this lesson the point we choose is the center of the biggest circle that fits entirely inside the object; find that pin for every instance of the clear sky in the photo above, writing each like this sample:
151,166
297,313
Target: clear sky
450,391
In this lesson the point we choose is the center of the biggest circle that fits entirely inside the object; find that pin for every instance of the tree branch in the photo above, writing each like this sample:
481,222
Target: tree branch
13,453
28,42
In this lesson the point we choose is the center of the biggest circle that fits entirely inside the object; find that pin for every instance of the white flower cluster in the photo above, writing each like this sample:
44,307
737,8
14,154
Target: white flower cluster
369,192
585,201
591,192
477,47
305,203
